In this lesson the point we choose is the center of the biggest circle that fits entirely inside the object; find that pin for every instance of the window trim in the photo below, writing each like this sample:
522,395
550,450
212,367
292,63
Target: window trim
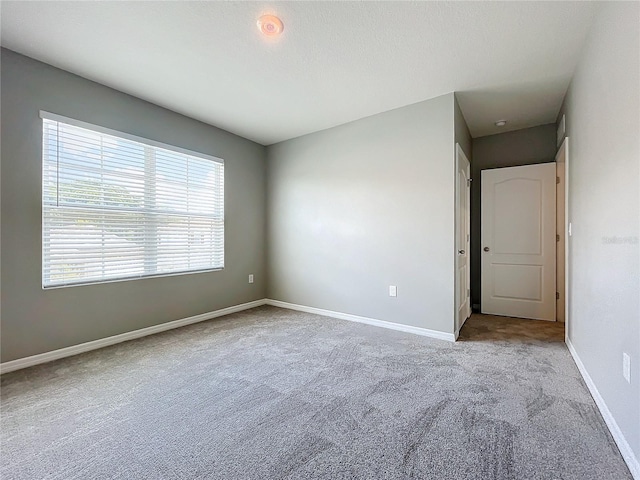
146,141
128,279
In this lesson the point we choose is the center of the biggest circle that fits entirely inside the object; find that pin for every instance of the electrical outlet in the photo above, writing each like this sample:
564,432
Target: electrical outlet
393,291
626,367
251,278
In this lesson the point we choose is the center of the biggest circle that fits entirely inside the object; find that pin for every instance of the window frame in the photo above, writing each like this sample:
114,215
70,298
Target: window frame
45,115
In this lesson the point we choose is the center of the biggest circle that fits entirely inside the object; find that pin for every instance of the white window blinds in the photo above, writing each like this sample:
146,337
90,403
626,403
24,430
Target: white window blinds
116,206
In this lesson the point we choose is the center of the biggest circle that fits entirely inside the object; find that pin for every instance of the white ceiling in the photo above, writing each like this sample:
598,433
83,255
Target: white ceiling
335,62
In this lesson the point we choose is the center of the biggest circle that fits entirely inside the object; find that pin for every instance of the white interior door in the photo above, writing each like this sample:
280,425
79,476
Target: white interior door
519,241
463,227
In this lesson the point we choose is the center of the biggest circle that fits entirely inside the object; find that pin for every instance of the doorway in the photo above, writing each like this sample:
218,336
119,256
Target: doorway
564,231
519,242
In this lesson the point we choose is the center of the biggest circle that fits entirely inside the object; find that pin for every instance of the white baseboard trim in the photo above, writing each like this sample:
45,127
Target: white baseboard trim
123,337
621,441
425,332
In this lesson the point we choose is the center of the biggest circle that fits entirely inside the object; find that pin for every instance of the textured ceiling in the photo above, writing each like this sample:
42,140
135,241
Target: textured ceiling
336,61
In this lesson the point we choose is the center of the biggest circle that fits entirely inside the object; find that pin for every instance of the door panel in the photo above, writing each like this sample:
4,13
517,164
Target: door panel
524,216
519,241
517,282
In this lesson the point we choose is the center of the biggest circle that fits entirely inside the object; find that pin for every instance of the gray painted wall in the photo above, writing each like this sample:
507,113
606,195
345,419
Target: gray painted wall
602,110
461,131
36,321
356,208
511,149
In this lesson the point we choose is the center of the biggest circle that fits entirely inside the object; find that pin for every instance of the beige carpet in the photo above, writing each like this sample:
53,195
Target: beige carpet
492,328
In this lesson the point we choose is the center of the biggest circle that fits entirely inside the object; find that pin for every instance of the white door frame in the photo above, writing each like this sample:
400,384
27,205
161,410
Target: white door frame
567,234
460,153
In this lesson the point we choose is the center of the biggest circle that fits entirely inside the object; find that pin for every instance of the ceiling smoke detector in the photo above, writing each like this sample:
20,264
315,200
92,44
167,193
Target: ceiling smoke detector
270,25
501,123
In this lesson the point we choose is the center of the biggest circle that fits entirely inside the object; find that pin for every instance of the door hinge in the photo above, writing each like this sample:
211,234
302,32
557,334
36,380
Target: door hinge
557,180
469,182
557,295
557,238
468,292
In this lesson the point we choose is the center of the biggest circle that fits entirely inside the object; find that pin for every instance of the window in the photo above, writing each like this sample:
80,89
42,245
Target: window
117,207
